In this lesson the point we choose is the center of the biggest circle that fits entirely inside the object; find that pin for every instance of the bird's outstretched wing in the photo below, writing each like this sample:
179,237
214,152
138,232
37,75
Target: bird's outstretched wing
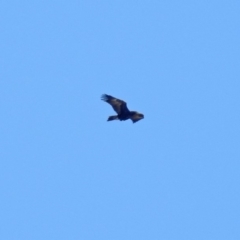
118,105
136,117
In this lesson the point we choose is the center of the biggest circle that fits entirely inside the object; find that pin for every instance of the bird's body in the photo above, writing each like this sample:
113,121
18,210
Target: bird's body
121,109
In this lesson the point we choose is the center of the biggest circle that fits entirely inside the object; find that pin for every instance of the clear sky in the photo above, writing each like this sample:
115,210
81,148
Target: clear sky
67,173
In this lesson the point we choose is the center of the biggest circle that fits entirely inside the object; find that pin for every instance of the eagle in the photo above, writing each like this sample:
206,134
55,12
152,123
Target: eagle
121,109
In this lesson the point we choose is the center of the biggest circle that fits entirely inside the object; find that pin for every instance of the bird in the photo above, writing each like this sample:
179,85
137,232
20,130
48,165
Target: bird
121,109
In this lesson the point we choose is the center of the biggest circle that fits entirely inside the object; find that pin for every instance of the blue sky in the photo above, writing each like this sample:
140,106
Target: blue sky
67,173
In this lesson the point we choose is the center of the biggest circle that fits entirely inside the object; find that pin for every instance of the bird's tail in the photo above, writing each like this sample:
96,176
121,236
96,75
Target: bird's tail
113,118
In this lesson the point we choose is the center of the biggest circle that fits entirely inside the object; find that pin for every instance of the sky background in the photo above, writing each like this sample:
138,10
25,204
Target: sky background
67,173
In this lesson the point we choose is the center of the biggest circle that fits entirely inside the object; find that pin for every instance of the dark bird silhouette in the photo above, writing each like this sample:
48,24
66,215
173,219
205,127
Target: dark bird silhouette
121,109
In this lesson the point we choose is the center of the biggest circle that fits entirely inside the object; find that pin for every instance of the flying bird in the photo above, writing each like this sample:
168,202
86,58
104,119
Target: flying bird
121,109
